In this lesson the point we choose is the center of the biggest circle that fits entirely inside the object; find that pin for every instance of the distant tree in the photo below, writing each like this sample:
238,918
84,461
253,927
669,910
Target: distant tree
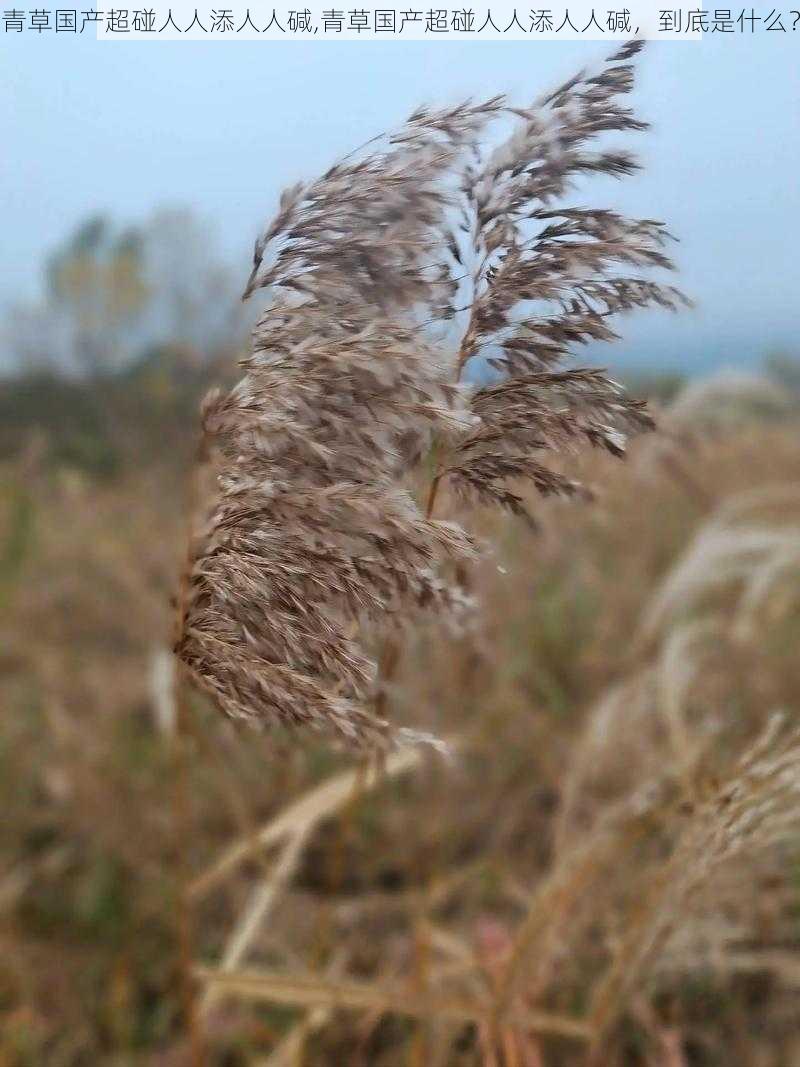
95,281
112,296
784,369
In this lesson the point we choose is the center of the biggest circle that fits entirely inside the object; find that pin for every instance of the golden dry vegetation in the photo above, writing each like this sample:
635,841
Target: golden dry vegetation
604,870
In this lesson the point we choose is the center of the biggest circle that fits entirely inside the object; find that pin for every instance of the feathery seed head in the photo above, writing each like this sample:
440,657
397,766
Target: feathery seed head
312,529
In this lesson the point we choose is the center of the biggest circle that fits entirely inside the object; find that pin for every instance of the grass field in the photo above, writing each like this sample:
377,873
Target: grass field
603,870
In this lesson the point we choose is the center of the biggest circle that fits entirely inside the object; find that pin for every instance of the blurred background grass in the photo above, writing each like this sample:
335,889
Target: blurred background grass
430,870
630,649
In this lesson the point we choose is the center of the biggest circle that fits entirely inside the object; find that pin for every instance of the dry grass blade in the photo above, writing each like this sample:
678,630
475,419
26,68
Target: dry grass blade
619,712
573,873
311,992
257,909
718,558
304,814
679,664
726,400
740,545
289,1052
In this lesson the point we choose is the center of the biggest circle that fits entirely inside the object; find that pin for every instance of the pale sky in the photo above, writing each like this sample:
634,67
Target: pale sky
125,128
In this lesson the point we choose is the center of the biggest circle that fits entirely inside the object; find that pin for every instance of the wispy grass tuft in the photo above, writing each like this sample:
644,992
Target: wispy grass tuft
390,277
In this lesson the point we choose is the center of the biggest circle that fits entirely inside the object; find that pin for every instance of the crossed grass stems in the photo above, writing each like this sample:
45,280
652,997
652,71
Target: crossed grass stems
711,820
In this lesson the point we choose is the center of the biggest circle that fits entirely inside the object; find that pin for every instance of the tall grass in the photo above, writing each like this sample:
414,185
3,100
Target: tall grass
566,880
604,870
311,532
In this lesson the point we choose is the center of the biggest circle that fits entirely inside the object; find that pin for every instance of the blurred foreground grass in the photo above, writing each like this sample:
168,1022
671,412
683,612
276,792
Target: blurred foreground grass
628,654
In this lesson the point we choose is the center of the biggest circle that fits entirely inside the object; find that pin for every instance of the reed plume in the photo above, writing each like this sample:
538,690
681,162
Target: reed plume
387,277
